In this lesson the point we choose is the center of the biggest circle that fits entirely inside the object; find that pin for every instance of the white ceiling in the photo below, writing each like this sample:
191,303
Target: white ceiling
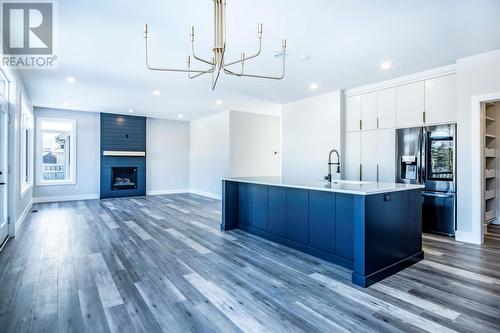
100,42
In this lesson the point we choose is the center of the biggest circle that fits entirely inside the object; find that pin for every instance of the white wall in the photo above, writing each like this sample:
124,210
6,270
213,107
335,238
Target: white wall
87,159
310,129
167,156
254,141
209,153
476,75
19,204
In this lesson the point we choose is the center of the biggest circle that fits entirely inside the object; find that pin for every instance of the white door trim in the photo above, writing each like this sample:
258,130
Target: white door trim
477,232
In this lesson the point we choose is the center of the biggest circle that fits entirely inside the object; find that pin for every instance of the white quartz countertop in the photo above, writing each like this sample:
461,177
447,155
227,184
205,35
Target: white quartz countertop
339,186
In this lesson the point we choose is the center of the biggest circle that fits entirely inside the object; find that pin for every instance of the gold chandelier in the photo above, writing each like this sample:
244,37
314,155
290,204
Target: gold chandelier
218,62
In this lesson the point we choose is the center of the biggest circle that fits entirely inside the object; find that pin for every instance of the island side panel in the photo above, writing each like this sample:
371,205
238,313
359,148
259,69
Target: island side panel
314,222
388,235
229,205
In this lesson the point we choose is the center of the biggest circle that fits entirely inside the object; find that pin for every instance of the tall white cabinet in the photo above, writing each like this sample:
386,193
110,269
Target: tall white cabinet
373,117
370,147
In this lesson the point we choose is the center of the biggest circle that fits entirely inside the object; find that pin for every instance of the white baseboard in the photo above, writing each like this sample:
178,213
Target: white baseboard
206,194
467,237
91,196
160,192
21,218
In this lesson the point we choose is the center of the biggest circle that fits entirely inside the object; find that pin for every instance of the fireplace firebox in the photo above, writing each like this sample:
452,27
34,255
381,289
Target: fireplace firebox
123,178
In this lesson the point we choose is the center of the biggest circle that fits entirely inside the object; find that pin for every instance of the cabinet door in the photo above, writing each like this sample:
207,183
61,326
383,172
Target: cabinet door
369,155
322,220
386,153
386,101
353,156
276,210
369,111
259,206
244,204
441,99
297,215
410,104
353,113
344,225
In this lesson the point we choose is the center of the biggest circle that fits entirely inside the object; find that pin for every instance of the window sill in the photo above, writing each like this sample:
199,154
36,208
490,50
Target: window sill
56,183
25,188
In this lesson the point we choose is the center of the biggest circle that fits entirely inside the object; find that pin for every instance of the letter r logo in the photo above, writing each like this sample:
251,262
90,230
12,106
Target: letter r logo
27,28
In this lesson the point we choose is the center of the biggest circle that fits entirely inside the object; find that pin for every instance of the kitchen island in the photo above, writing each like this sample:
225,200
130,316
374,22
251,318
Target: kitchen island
374,229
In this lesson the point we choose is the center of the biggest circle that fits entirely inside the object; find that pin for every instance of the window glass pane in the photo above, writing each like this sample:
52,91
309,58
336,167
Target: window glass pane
441,159
26,155
55,155
3,85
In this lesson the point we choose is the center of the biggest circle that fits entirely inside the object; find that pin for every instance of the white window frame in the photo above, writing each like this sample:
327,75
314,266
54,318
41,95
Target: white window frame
39,153
27,149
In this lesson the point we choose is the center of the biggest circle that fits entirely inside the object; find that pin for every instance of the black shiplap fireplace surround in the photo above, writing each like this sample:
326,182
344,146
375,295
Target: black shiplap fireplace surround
123,176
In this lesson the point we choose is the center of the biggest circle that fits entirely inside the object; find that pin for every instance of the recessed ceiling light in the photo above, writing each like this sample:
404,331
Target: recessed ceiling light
71,79
156,93
218,102
67,103
385,65
180,116
313,86
131,110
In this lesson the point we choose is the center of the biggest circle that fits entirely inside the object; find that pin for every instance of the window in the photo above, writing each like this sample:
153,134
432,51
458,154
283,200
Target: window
4,85
56,151
26,149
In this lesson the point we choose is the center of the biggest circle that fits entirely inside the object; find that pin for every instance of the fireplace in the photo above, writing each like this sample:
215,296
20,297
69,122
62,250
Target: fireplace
123,178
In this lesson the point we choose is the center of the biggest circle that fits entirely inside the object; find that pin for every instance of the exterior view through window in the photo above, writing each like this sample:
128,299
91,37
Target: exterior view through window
56,147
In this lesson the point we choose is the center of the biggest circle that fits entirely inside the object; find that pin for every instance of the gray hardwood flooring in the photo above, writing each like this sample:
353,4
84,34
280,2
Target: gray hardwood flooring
159,263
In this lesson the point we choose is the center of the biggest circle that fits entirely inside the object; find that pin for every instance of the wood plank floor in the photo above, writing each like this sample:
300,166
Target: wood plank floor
159,263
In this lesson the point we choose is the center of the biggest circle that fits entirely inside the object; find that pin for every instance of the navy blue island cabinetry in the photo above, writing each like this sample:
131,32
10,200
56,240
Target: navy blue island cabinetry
374,229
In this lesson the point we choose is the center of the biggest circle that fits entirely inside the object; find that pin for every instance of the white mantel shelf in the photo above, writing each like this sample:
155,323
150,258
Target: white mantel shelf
124,153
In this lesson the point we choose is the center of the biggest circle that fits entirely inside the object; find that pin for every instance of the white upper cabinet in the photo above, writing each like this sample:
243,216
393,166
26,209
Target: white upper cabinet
369,111
386,154
369,155
441,100
410,104
353,113
386,100
353,156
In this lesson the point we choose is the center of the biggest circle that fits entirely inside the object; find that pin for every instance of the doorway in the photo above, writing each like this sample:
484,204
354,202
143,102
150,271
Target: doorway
485,167
4,191
490,111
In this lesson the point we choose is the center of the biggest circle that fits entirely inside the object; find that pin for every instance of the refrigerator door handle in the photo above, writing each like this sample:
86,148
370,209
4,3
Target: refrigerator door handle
423,159
421,154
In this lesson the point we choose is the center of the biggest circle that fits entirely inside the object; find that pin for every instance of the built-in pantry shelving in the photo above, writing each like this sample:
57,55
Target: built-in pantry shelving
490,163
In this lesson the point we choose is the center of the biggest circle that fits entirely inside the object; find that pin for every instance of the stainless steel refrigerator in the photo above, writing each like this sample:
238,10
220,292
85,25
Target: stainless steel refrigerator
426,155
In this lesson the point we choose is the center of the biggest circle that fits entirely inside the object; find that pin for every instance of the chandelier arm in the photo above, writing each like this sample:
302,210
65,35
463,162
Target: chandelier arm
227,71
194,53
151,68
249,57
197,75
